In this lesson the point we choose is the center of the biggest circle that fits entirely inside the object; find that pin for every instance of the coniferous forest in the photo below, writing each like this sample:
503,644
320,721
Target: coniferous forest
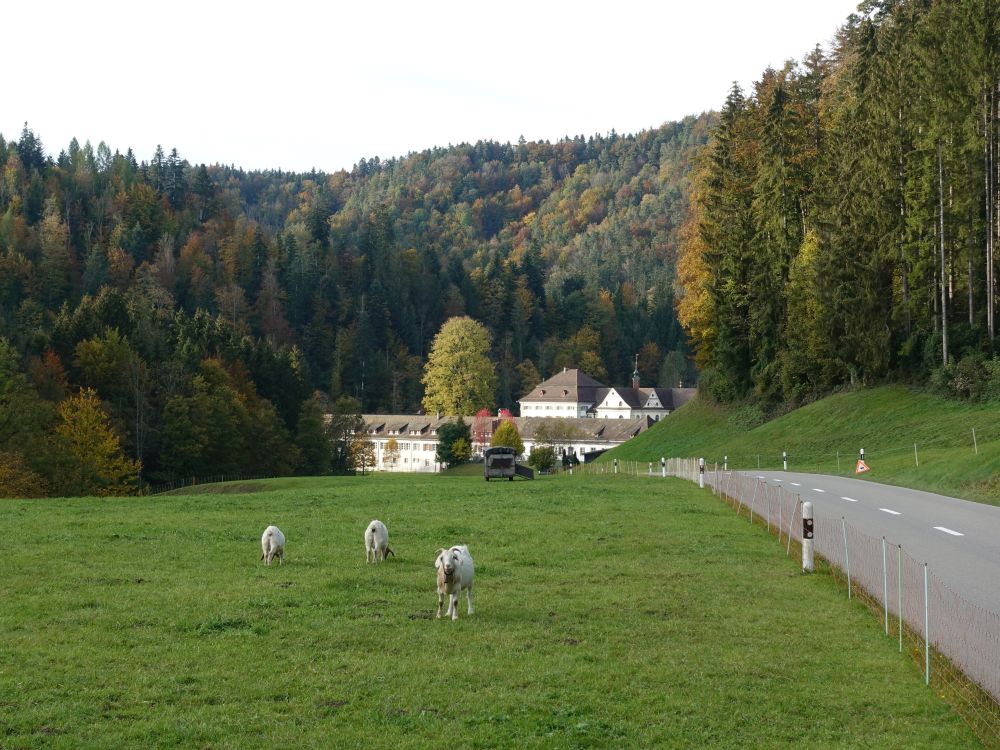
846,213
206,318
835,225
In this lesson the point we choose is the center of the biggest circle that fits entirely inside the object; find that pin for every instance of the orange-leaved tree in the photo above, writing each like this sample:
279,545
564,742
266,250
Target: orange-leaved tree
95,463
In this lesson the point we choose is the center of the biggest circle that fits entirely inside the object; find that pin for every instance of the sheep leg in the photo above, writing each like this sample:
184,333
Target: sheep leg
440,603
468,595
453,605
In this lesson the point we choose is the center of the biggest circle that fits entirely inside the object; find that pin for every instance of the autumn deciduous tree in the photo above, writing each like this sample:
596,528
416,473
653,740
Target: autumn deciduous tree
362,452
17,480
391,455
506,434
95,461
459,377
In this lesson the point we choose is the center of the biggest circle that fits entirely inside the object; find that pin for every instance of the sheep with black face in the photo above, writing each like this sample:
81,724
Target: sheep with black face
454,574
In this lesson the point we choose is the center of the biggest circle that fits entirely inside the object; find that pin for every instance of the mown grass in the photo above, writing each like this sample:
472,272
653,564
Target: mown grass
610,612
826,436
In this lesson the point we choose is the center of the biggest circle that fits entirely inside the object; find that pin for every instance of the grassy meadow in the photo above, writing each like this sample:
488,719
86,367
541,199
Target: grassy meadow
611,612
825,437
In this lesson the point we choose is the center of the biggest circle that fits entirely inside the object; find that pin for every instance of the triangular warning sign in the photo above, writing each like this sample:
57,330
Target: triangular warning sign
861,468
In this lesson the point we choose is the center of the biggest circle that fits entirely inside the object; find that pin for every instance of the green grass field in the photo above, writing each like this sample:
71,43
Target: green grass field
825,437
610,613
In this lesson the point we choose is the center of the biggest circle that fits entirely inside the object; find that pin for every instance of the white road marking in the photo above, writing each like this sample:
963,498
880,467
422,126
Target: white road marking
760,477
817,489
949,531
848,499
796,484
893,512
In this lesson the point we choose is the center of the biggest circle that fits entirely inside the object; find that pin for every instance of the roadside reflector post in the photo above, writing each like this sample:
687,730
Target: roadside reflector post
663,466
616,466
916,458
862,454
701,473
784,460
807,538
975,445
725,463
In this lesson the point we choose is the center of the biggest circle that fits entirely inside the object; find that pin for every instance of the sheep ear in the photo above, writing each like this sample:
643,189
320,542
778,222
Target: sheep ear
437,558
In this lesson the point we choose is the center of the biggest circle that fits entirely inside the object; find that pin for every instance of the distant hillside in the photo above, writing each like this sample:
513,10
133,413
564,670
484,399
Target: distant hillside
885,421
206,305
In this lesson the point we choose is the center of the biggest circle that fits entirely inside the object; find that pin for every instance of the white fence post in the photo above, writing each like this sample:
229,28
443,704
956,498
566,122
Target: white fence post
807,537
927,633
899,591
768,496
791,520
885,587
847,558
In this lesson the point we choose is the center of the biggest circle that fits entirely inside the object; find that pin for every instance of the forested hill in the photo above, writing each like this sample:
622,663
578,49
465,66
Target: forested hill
847,210
205,305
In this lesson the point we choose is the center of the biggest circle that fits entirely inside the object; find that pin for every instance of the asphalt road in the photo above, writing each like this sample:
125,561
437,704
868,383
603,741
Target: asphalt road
958,539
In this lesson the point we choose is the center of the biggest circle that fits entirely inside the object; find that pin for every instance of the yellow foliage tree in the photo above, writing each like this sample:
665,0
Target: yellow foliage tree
17,480
459,377
693,300
362,453
95,462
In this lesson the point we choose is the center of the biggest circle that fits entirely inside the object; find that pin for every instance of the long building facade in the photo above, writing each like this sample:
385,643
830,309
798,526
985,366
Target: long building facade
416,437
572,412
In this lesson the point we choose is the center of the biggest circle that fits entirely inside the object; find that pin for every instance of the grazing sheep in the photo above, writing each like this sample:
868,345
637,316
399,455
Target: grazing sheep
272,543
454,573
377,542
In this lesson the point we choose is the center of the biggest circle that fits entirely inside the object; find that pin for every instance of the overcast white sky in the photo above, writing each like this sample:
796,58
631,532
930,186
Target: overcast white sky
298,84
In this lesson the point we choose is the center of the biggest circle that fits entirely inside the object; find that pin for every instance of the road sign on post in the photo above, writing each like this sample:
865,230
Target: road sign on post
807,537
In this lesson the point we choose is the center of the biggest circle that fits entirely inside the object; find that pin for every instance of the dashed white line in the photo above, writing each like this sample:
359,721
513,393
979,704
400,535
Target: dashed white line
848,499
949,531
817,489
893,512
796,484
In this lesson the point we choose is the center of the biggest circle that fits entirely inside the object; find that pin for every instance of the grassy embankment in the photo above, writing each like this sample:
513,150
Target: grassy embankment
885,421
610,612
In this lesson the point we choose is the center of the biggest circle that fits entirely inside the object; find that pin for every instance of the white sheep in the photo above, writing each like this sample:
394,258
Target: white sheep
377,542
272,543
454,573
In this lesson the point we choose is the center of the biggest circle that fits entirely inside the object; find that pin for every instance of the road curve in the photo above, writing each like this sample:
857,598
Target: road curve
959,539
